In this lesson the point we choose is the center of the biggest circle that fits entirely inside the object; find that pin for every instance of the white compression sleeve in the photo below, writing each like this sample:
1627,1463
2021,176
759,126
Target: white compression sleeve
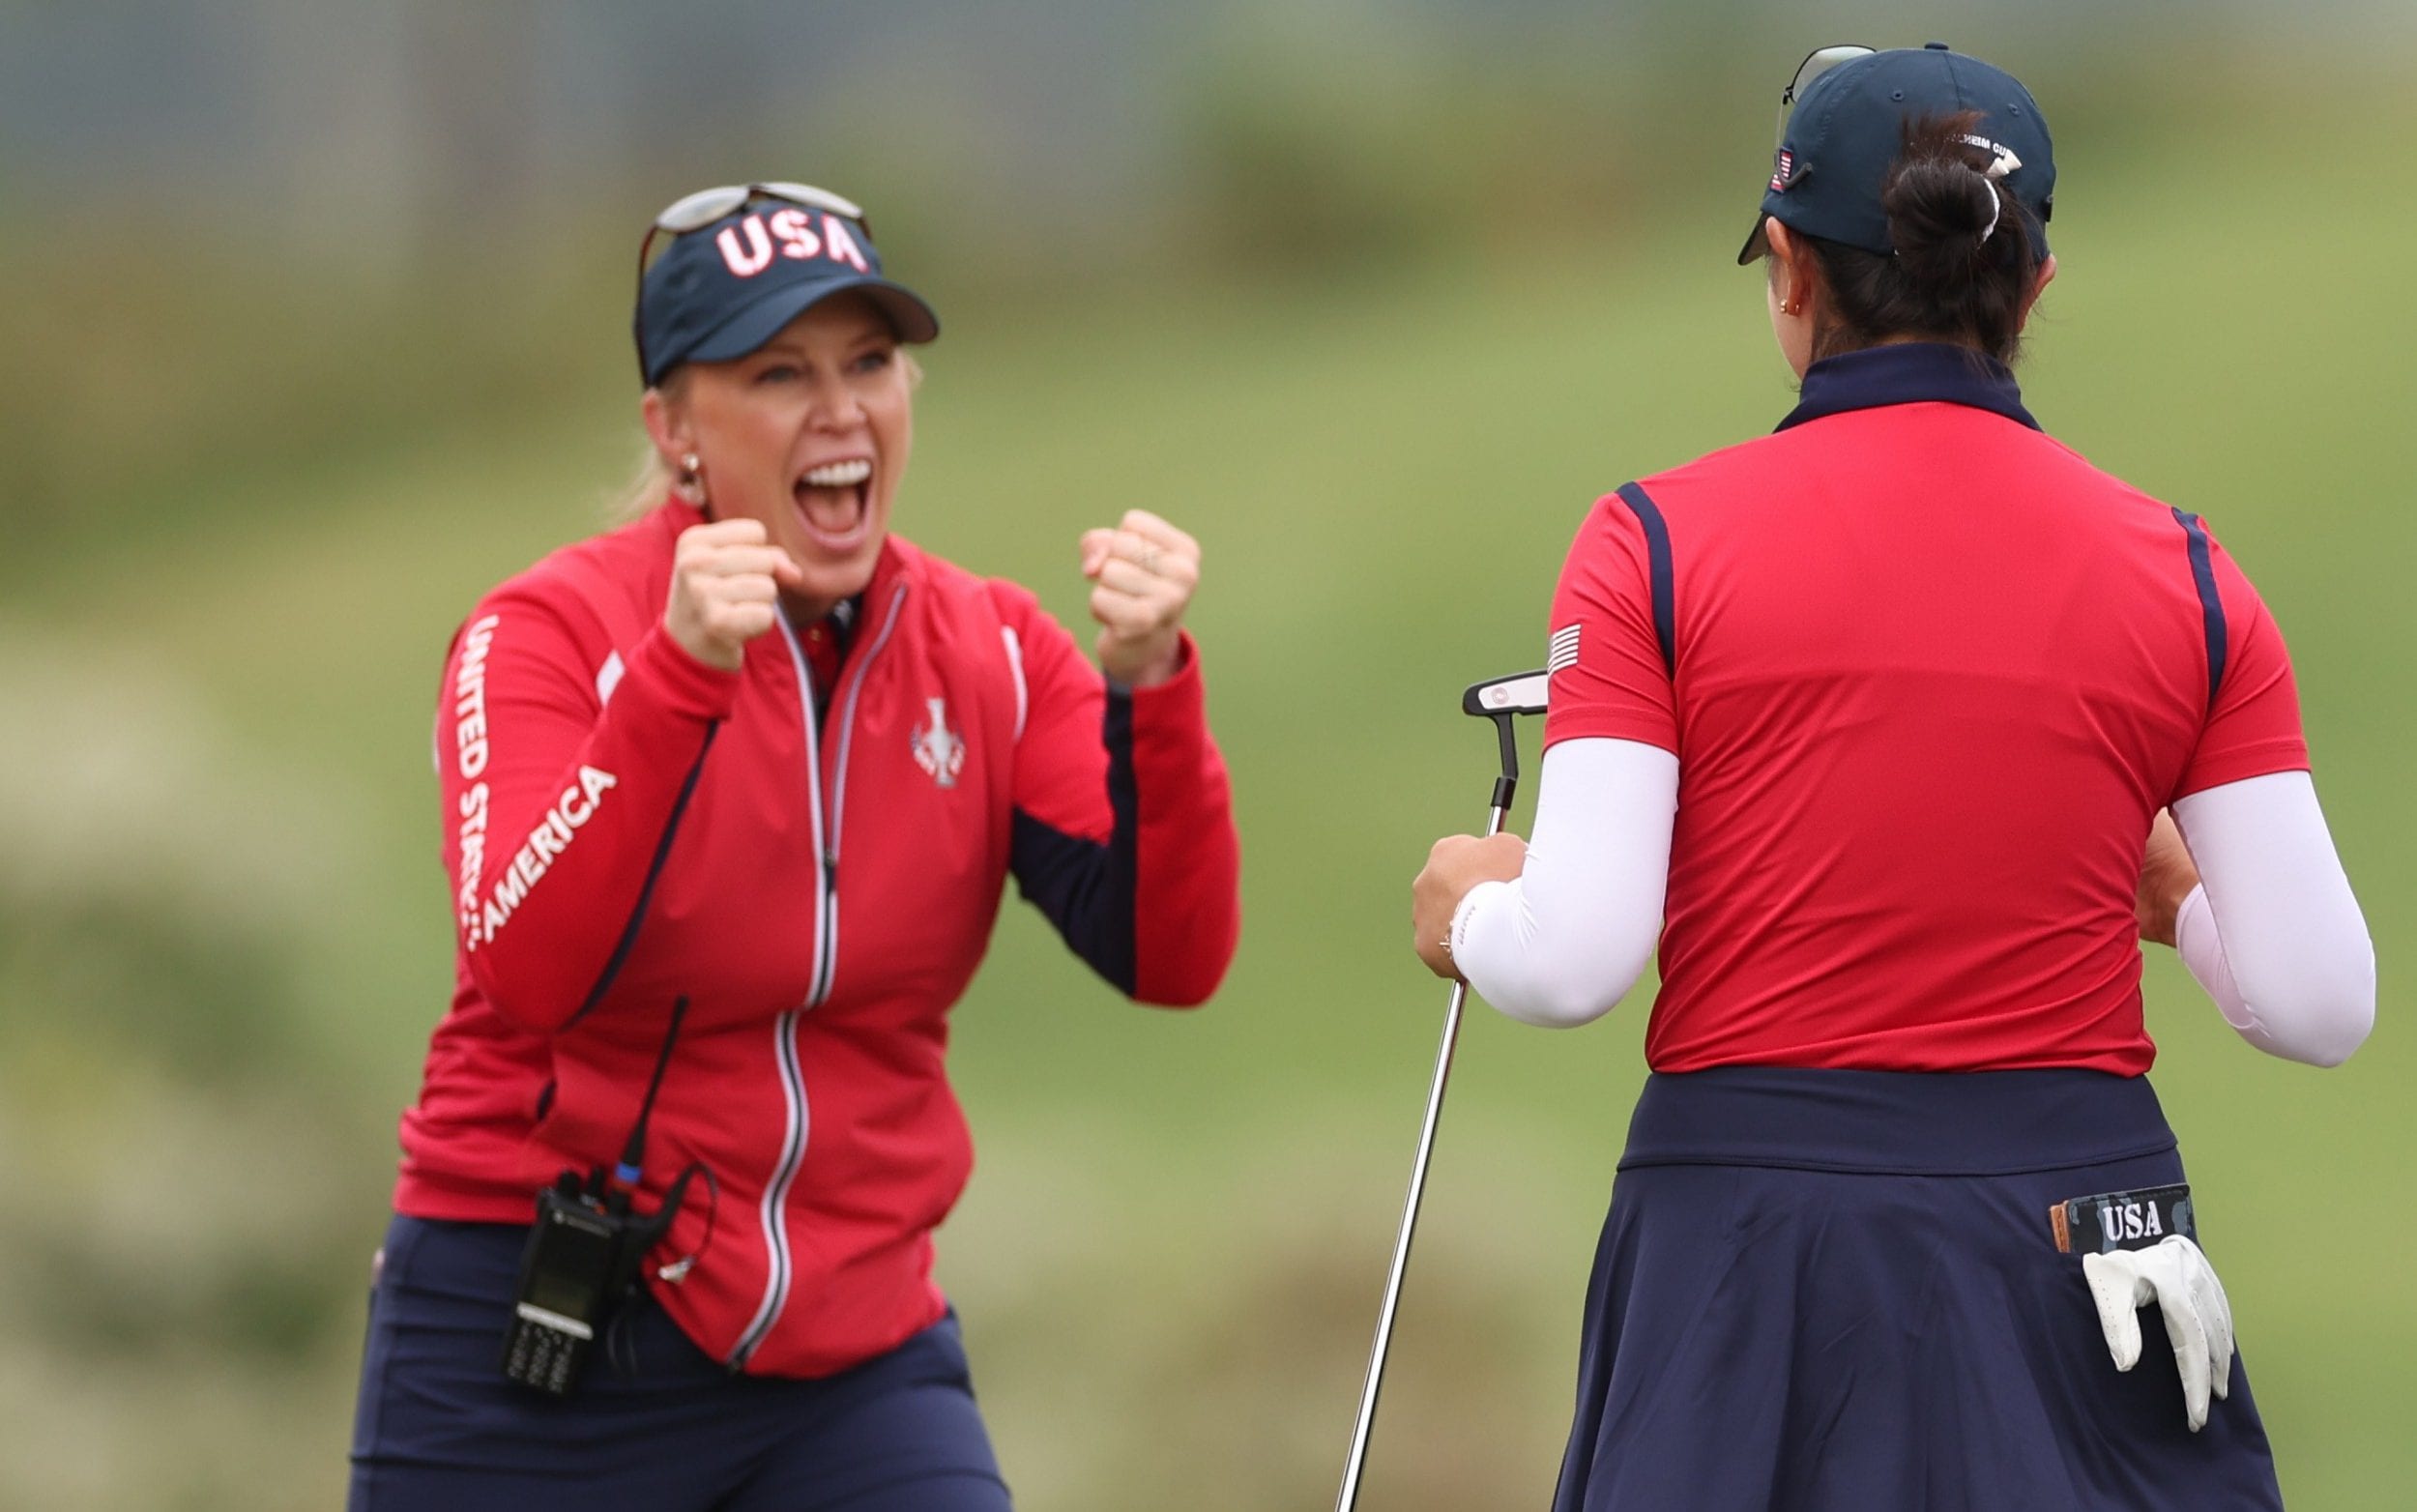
1566,940
2272,931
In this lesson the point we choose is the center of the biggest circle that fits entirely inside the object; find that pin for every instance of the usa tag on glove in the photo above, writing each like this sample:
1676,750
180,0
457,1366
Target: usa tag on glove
2122,1220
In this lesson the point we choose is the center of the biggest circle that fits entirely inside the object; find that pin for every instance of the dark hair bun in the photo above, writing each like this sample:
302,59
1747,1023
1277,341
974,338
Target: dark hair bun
1944,212
1965,263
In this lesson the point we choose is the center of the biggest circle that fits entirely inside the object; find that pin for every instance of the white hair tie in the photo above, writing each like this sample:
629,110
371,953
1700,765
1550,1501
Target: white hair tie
2001,161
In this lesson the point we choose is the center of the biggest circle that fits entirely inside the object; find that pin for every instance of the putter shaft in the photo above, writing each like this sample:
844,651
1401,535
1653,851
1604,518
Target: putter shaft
1348,1497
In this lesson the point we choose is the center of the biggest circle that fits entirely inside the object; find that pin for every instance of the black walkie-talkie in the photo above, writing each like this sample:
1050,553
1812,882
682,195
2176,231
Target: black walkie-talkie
569,1281
583,1257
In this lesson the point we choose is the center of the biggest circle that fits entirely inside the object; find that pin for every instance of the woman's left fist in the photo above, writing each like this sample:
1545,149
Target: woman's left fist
1142,575
1457,864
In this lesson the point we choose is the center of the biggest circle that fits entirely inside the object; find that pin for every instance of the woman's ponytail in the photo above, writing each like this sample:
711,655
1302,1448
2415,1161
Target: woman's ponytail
1965,256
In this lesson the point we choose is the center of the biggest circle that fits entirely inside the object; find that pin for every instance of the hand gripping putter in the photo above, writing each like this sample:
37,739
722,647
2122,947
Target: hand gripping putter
1501,700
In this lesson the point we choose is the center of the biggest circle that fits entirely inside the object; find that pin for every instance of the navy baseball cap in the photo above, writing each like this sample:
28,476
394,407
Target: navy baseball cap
1836,150
724,289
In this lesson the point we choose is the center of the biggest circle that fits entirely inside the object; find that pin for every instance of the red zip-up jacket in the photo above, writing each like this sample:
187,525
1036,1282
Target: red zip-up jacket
624,826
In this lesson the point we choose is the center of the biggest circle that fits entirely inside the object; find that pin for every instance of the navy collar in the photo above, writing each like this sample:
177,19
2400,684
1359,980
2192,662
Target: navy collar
1909,373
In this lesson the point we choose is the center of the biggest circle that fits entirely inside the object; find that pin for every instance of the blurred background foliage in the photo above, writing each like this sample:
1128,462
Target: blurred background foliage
317,326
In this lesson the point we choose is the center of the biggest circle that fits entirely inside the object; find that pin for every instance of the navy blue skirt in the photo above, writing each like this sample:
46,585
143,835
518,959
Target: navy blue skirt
1830,1290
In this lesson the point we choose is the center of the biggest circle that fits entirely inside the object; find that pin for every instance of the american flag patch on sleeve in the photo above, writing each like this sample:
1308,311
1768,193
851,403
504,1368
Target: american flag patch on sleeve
1561,650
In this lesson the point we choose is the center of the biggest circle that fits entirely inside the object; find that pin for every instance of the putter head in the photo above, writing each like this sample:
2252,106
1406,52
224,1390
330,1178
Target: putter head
1520,693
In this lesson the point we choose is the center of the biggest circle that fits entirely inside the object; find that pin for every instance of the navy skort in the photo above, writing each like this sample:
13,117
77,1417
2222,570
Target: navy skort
657,1425
1818,1291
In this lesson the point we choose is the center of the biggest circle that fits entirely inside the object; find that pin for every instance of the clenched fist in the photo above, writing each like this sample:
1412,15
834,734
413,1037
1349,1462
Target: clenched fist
2167,877
1142,575
725,589
1457,864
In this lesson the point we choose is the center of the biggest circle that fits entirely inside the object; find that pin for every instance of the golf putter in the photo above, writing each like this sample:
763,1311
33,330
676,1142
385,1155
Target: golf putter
1501,700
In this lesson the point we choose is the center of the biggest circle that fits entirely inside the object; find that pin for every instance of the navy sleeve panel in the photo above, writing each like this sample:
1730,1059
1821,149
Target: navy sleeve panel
1088,889
646,889
2210,602
1121,818
1658,567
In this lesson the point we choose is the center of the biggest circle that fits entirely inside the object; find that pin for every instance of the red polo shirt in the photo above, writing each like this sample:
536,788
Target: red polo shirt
1929,676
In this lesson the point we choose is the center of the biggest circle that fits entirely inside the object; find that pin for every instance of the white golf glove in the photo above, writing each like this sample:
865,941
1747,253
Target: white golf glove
2174,1274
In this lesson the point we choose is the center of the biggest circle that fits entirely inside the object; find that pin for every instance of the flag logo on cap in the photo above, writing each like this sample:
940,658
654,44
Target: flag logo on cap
1787,170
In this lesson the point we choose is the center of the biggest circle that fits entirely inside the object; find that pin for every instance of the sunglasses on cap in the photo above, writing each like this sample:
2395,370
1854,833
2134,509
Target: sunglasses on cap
695,211
1817,62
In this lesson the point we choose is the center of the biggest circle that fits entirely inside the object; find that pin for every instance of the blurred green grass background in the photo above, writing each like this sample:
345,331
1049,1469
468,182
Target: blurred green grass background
1380,363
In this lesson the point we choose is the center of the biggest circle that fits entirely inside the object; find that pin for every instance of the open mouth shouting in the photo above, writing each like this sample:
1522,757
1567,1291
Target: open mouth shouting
835,504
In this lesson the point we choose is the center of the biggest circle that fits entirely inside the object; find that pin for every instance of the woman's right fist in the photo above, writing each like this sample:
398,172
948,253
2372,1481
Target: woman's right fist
726,580
2168,874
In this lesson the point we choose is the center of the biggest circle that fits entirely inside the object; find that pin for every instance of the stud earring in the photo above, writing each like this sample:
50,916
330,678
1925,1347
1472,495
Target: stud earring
691,480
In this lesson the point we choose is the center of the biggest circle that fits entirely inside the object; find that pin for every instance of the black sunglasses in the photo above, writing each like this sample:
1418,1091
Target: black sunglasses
1817,62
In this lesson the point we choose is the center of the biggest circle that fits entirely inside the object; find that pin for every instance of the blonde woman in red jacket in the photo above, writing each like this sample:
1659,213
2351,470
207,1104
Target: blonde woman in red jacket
731,795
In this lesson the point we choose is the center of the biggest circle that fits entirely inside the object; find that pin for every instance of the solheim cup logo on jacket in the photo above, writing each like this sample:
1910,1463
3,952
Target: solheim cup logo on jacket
938,749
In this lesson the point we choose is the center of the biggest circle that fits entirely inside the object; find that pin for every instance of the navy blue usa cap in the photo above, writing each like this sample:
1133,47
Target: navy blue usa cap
1834,157
723,290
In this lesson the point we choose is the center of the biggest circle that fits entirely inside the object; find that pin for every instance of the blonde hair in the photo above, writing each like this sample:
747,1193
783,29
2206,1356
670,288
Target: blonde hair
645,488
655,477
